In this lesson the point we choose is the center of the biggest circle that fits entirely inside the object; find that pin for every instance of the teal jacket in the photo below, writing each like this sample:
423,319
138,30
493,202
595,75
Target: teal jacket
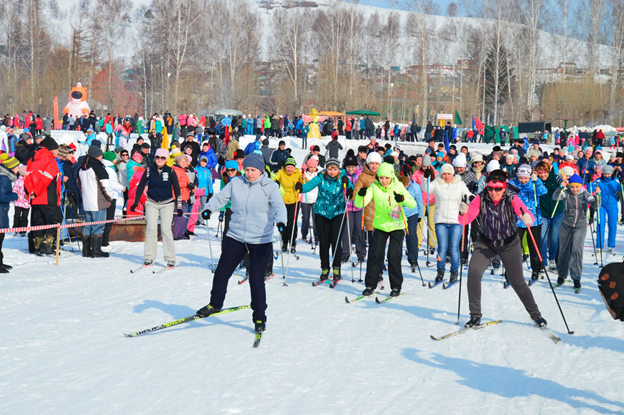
330,201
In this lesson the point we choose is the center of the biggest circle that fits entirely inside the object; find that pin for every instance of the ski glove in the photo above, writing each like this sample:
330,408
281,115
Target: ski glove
191,186
362,192
463,208
221,216
349,193
206,214
345,181
534,177
427,172
526,219
399,198
133,208
180,213
298,186
281,227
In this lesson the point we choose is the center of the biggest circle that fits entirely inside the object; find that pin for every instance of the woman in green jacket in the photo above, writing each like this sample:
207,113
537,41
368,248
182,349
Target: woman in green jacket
389,222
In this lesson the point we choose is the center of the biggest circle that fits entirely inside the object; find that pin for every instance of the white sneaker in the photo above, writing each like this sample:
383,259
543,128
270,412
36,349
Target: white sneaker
552,266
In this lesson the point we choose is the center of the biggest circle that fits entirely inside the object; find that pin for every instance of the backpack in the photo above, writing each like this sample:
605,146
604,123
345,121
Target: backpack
611,286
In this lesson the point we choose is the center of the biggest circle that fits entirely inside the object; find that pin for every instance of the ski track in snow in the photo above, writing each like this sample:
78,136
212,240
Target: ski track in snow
63,349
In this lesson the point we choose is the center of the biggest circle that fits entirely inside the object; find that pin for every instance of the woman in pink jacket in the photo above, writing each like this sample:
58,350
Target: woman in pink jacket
429,202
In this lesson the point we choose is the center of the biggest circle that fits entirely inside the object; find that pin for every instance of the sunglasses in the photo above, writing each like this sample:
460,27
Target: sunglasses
495,189
230,170
125,155
160,158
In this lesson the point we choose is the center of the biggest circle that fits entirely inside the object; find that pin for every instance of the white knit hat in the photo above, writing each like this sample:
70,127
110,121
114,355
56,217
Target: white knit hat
524,171
447,168
373,157
567,170
493,165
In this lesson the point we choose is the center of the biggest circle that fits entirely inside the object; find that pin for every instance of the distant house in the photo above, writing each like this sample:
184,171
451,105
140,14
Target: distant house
122,100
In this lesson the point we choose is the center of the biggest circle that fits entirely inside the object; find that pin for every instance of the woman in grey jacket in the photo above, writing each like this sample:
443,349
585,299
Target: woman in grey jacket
256,205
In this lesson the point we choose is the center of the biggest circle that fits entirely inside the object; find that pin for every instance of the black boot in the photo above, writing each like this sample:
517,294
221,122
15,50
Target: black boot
540,321
395,292
96,247
86,246
260,326
207,310
535,275
453,277
37,241
324,274
474,321
368,291
440,275
337,276
47,245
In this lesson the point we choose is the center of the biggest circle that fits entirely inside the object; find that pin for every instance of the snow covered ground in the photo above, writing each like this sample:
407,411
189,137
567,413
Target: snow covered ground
63,349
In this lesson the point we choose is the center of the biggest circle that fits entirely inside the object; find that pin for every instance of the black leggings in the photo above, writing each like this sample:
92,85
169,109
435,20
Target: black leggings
329,234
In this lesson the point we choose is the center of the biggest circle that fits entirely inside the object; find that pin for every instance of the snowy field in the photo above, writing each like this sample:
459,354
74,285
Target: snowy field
63,349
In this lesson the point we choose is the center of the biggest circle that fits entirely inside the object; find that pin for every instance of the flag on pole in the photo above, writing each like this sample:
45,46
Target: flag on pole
55,125
457,119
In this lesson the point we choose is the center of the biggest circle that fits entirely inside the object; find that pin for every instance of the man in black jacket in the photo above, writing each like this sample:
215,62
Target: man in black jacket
24,149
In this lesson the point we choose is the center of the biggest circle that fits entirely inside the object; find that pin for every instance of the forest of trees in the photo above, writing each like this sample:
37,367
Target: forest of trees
287,57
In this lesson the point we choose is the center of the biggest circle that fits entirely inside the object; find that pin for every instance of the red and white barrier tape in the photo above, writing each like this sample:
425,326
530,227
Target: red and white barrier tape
73,225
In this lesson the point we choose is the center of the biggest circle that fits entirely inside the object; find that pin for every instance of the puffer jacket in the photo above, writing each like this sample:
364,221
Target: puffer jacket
610,192
287,182
547,202
574,206
43,179
256,206
183,181
419,210
353,179
419,177
310,197
92,182
526,192
388,215
448,197
366,179
331,197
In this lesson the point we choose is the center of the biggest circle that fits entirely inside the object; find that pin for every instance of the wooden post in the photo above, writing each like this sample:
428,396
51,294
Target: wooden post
58,243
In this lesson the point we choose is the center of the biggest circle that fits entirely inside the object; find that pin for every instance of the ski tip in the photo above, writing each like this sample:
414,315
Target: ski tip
347,300
444,286
377,300
433,337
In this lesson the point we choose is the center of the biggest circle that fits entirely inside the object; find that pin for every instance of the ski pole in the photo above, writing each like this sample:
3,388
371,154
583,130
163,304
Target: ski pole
427,224
348,230
414,250
539,255
292,235
601,239
211,267
461,266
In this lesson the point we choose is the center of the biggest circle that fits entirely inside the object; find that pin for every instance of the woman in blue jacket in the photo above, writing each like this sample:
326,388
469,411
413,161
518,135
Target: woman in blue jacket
610,194
329,210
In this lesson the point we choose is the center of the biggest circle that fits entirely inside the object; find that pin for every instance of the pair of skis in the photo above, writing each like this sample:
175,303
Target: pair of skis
552,336
141,268
444,285
244,280
377,300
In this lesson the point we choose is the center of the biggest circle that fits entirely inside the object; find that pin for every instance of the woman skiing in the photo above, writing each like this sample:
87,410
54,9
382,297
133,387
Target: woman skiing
356,236
256,204
448,190
307,202
497,209
610,195
329,209
530,188
389,222
574,200
163,192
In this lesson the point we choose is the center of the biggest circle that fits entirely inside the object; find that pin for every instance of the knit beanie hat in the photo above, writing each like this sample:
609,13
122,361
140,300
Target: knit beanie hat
9,162
373,157
49,143
136,156
524,171
332,162
576,179
239,154
64,150
290,162
161,152
351,161
231,164
22,170
607,170
94,152
460,161
312,161
254,160
447,168
179,158
426,161
493,165
568,171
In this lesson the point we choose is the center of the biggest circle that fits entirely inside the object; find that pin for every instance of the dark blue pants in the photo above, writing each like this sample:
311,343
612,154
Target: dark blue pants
259,255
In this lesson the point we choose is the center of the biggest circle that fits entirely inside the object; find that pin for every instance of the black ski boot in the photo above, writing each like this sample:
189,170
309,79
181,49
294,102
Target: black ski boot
535,275
395,292
453,277
540,321
440,275
147,262
344,259
368,291
207,310
336,273
324,274
47,245
474,321
260,326
560,282
577,286
86,246
293,249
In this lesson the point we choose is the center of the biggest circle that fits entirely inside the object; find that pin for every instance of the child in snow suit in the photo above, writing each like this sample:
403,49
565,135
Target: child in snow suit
574,199
388,194
530,188
333,146
204,182
413,216
287,177
610,195
307,202
329,209
22,205
354,216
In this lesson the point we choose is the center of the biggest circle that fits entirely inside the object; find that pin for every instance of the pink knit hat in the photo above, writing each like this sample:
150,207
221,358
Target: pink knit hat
162,152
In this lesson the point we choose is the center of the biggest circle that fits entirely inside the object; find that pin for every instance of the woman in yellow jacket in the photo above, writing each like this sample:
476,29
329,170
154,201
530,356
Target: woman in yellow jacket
287,177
